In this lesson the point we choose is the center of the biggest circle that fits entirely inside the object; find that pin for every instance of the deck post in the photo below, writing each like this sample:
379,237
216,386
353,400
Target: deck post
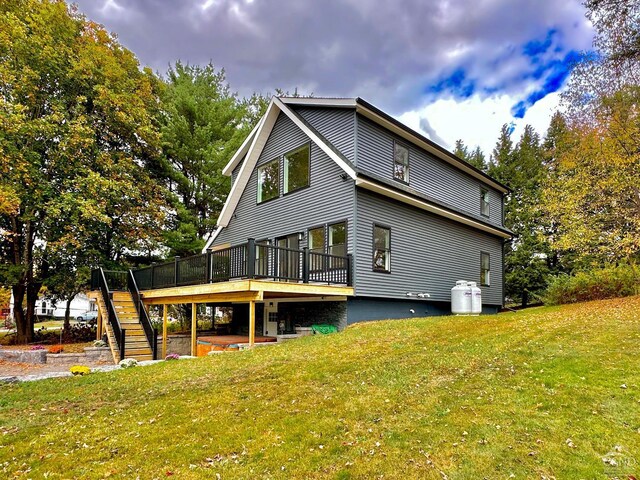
251,258
194,327
252,323
165,309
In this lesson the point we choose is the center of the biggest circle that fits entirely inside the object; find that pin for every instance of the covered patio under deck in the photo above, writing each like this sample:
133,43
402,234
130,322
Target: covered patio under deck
250,292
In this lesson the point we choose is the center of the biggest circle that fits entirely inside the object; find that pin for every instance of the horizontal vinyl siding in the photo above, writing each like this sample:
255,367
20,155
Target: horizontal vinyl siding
337,125
427,174
428,253
328,199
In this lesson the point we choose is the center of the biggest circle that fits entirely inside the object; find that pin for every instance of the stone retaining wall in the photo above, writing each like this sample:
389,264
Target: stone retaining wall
24,356
90,355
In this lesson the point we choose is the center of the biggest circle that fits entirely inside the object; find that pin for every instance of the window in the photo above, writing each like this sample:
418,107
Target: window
381,249
269,180
262,257
337,239
316,240
485,269
484,202
400,163
296,169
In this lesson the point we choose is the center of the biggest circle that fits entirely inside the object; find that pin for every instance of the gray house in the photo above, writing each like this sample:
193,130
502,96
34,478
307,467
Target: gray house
338,178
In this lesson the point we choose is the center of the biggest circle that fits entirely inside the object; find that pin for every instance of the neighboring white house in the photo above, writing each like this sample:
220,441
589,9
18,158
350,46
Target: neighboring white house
48,308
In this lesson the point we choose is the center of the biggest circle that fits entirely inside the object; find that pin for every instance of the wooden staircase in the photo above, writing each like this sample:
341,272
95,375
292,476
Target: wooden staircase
136,344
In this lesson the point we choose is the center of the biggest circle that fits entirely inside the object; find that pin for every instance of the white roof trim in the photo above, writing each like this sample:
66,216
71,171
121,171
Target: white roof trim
424,205
320,102
424,145
212,239
241,152
316,139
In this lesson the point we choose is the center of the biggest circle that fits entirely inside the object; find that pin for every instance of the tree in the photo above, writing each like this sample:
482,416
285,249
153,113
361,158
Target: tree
202,124
475,157
594,195
76,133
526,256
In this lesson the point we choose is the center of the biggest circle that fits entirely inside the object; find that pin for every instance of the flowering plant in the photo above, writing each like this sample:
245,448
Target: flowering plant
128,363
56,349
80,370
172,356
100,343
37,347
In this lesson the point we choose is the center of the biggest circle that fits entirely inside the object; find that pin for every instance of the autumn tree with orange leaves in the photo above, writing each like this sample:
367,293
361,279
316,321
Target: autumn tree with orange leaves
593,195
76,132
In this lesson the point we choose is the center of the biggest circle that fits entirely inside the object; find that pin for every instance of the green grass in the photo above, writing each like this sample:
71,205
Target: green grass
533,394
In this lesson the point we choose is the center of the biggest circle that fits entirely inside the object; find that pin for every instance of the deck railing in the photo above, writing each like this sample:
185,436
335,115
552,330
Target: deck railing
150,332
248,260
108,281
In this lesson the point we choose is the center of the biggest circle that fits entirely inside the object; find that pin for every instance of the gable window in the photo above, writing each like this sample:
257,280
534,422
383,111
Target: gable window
485,269
381,249
269,180
400,163
296,169
484,202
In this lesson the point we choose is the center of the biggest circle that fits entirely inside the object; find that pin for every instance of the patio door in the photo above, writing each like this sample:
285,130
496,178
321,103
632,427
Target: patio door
289,262
270,323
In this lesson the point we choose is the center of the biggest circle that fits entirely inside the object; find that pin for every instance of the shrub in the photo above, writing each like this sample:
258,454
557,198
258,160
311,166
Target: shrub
596,284
100,343
56,349
80,370
172,356
128,363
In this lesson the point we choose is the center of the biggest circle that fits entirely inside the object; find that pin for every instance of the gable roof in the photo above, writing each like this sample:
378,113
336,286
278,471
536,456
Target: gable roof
252,148
249,152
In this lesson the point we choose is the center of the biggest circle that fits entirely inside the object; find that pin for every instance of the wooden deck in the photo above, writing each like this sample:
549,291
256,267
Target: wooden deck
241,291
234,339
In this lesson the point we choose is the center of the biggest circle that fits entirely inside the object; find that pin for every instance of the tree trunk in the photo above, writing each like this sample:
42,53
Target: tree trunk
67,313
525,298
18,313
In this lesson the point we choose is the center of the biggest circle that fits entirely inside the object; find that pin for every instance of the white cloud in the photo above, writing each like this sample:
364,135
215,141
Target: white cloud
478,121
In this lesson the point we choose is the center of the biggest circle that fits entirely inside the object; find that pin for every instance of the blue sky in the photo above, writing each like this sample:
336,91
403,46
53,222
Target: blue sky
450,68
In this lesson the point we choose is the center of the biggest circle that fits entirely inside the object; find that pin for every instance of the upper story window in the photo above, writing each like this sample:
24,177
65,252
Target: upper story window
269,180
296,169
400,163
485,269
484,202
381,249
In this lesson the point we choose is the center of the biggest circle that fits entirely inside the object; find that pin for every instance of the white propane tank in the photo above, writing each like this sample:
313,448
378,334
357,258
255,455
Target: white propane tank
461,298
476,298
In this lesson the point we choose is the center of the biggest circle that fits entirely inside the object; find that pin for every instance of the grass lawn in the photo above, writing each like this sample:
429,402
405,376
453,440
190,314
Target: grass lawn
543,393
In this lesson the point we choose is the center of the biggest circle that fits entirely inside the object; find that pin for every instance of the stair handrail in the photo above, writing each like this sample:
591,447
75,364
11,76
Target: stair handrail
150,332
112,318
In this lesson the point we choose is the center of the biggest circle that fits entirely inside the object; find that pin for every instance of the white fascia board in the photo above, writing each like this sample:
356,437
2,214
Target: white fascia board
212,239
429,207
253,153
317,140
241,152
320,102
424,145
